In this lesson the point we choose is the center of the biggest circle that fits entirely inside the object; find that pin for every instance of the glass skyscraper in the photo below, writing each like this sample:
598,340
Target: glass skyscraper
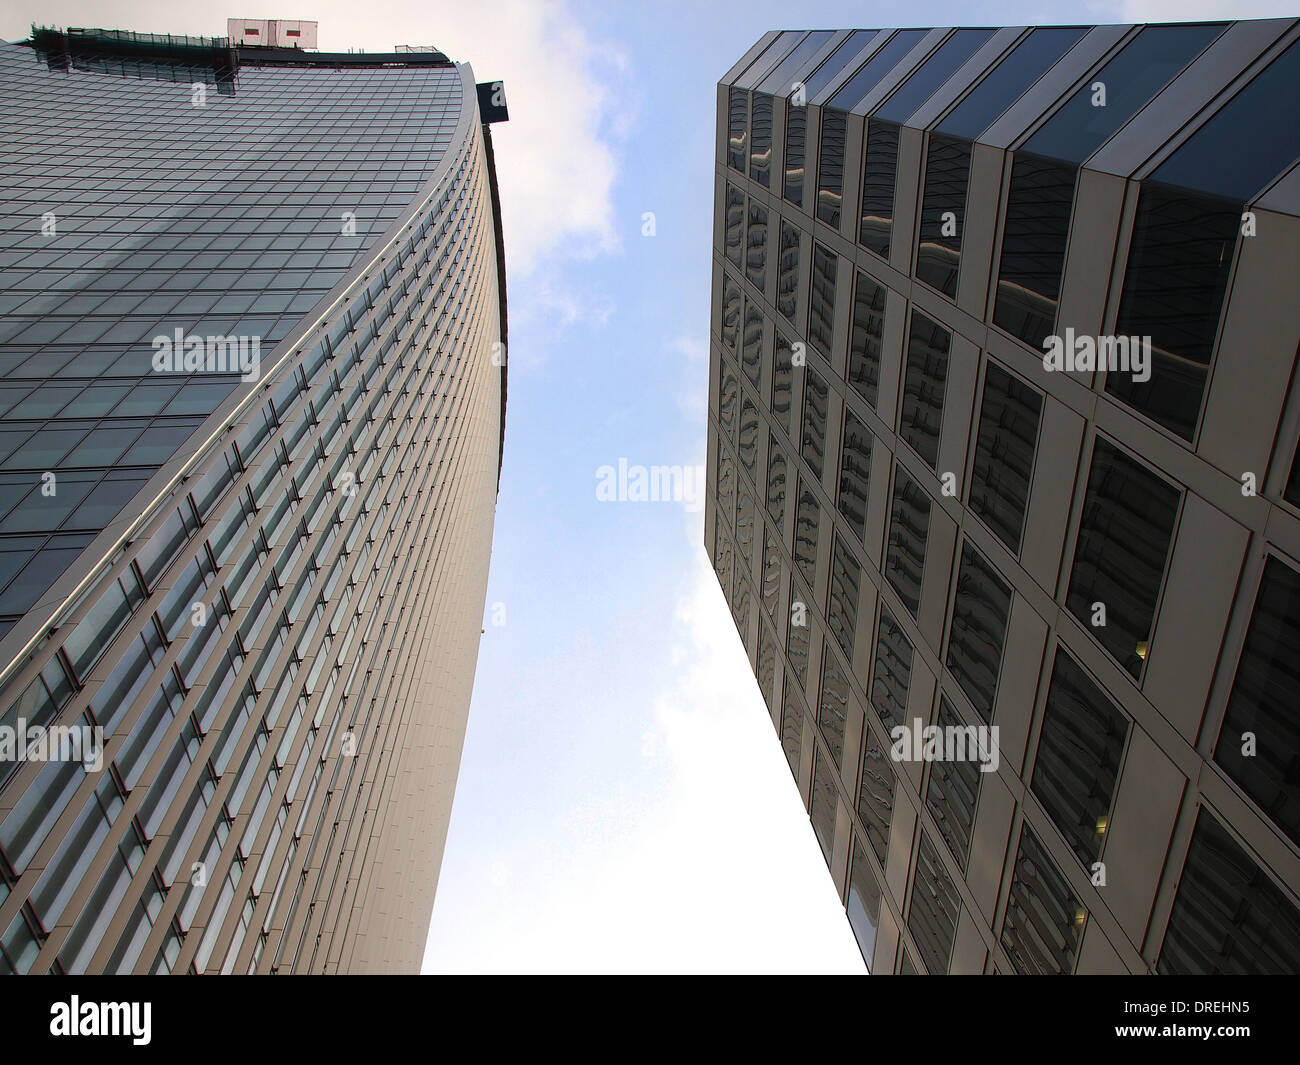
252,402
1004,492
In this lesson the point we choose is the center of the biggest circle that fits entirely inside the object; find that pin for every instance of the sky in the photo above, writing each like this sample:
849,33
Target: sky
623,803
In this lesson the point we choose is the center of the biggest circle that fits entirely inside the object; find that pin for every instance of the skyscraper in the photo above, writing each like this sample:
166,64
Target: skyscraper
1003,482
253,402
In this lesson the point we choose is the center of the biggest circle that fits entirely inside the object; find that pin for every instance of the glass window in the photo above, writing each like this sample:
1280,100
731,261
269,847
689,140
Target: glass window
864,902
1079,752
782,382
775,481
943,213
885,58
756,246
1034,233
796,148
1248,142
823,805
1263,703
816,403
938,68
953,789
880,167
842,605
830,168
760,152
924,383
979,629
1044,921
893,670
781,80
735,223
1004,454
1119,559
767,662
797,638
855,474
821,312
832,711
1033,56
751,343
726,487
787,280
806,521
1177,274
909,528
934,909
737,122
1228,918
728,394
748,442
730,313
792,715
864,342
876,795
771,571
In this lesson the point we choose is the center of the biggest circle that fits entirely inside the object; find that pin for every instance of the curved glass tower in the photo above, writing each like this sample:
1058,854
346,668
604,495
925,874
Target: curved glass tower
251,415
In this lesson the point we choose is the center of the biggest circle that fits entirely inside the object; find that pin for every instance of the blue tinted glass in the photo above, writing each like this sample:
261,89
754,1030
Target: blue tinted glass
839,59
857,87
1143,68
1249,142
771,56
781,79
931,74
1009,79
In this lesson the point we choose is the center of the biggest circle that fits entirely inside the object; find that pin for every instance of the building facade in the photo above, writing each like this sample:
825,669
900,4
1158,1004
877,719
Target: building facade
1003,482
253,353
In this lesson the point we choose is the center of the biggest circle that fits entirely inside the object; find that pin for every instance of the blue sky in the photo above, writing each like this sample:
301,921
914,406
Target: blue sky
623,803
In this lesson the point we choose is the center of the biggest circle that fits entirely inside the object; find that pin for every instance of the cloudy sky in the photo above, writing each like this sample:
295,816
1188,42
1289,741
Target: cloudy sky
623,803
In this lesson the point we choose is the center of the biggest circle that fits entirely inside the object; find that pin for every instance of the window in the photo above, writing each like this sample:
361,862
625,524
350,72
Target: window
943,213
909,527
821,312
751,343
1079,752
979,629
768,663
748,442
876,795
782,382
735,223
953,789
855,474
941,64
869,75
796,638
842,605
792,715
807,518
830,169
737,120
760,153
726,486
1004,454
1035,54
893,671
823,805
756,246
934,909
1145,65
730,313
864,341
1228,918
864,902
833,708
728,393
1034,233
1044,921
876,222
816,402
1263,702
1120,556
771,589
1177,274
775,481
796,146
787,281
924,382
